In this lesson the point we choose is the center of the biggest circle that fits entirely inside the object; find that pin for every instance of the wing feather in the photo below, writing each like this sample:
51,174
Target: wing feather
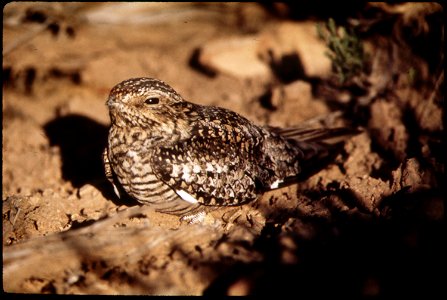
213,167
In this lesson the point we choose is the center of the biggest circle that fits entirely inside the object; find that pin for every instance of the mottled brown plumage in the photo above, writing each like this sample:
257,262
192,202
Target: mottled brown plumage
178,156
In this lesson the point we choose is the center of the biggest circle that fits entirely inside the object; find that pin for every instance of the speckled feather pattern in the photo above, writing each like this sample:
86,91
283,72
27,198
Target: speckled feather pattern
177,155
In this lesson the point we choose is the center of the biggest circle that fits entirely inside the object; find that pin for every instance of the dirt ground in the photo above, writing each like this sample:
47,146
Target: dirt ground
372,223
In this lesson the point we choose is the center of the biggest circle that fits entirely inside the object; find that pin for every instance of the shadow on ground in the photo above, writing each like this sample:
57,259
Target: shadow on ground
81,141
348,255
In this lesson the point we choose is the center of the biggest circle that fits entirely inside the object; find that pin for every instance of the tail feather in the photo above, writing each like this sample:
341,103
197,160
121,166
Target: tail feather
325,135
320,146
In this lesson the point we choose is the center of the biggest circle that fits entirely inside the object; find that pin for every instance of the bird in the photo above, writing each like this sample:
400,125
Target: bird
179,157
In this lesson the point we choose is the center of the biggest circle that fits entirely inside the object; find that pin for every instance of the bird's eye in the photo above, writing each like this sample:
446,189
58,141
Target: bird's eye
152,100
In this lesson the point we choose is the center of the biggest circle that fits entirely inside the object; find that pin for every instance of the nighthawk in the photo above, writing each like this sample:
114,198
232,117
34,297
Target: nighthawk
178,156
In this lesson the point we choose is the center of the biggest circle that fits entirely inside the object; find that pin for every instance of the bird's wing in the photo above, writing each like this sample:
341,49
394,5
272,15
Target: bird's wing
212,167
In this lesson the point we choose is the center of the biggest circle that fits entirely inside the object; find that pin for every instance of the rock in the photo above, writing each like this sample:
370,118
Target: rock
236,57
143,13
387,128
368,191
409,175
361,159
297,44
295,97
428,114
290,50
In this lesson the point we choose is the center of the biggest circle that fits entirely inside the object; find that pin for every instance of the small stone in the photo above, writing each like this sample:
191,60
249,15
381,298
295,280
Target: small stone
236,57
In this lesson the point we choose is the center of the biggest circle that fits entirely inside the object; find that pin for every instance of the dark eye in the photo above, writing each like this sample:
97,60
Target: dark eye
152,100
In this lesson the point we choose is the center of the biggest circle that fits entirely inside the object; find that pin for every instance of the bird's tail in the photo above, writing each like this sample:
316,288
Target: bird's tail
319,146
326,135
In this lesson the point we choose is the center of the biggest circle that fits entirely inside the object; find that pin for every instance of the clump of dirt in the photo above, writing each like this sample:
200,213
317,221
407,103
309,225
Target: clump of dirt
373,218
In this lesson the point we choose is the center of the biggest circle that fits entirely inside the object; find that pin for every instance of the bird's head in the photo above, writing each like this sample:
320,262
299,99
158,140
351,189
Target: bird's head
149,104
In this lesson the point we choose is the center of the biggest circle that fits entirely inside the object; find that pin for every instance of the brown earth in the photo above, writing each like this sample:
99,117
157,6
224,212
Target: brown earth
370,224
